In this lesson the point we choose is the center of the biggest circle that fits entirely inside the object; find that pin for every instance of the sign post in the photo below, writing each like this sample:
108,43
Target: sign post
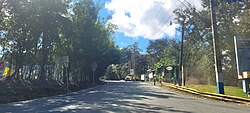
242,60
1,69
65,60
169,68
132,72
94,66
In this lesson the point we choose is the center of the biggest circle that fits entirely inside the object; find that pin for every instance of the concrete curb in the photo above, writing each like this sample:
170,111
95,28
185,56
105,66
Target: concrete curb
226,98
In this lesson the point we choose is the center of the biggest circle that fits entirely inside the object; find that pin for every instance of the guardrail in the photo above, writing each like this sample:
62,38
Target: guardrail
226,98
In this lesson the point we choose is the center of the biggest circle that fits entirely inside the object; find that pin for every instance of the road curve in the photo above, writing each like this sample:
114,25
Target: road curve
127,97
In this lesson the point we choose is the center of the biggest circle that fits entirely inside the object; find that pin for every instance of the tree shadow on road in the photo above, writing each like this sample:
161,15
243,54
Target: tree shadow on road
113,97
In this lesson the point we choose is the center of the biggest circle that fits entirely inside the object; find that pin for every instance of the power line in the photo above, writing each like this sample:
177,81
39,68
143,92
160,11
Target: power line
144,33
183,3
156,16
158,33
158,12
190,4
162,29
163,26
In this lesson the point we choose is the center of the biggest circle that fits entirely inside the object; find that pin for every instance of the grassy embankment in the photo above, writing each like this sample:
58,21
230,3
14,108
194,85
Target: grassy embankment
229,90
18,90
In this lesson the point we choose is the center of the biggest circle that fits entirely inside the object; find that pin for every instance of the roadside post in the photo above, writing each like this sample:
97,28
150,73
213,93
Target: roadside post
132,72
169,68
162,73
150,75
66,63
216,48
1,69
154,77
142,77
94,66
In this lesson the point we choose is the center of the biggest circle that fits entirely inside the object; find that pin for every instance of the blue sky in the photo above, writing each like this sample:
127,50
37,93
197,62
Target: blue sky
122,40
142,20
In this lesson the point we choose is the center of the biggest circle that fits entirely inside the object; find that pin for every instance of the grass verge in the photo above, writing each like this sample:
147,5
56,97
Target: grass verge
229,90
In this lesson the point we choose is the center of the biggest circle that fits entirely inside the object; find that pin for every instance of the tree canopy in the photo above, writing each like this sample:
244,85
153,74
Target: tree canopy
35,33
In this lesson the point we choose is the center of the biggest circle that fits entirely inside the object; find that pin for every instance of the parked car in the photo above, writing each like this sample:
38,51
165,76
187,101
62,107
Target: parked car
128,78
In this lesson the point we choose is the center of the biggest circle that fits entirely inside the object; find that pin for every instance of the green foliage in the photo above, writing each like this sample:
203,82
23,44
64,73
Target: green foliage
39,31
198,51
162,53
155,51
112,72
130,58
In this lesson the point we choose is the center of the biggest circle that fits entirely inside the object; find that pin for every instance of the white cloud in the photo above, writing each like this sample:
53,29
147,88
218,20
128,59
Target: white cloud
137,18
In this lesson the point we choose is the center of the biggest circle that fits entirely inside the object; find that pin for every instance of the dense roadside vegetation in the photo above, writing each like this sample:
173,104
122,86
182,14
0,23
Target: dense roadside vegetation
35,37
233,20
35,34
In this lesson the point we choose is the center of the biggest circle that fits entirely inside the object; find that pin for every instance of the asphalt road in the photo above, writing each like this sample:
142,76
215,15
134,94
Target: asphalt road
122,97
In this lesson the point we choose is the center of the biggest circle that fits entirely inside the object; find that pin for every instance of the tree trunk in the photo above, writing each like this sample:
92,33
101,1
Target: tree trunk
44,57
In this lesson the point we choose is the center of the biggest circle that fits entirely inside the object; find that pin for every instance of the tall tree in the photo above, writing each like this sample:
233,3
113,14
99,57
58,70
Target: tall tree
91,40
39,31
155,51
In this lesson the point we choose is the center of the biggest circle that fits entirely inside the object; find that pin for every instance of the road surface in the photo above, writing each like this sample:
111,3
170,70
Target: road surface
122,97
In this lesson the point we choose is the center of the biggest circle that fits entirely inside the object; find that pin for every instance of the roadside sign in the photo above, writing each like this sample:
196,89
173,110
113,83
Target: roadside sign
150,75
132,72
169,68
142,77
242,53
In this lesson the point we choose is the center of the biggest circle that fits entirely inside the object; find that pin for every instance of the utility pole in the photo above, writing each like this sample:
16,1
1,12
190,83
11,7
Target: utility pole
132,68
181,78
134,62
93,67
217,58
